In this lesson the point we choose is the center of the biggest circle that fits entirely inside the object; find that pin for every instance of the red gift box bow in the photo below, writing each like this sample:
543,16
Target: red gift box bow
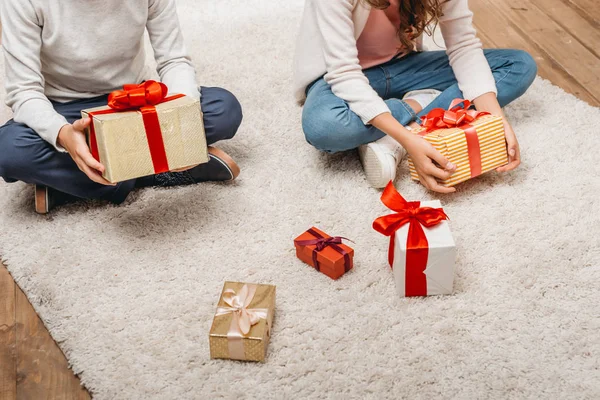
458,116
143,97
417,247
321,243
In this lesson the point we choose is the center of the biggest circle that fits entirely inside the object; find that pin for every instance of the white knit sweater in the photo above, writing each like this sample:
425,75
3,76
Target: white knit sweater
327,46
66,50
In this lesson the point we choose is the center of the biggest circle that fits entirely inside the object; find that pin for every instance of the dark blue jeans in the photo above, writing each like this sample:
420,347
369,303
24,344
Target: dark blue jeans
330,125
25,156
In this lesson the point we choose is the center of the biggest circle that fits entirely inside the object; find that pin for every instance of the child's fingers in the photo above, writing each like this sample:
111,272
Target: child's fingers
91,162
81,124
95,176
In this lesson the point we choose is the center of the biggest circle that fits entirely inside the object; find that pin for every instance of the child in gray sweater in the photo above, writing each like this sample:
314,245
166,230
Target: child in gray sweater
63,56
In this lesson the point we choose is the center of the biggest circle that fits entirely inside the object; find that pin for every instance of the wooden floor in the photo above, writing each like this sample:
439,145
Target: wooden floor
562,35
32,366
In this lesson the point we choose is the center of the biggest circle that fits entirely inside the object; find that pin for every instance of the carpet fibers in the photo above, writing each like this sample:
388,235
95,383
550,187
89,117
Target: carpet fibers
129,292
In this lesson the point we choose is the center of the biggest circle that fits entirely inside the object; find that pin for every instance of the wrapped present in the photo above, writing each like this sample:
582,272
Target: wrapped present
143,132
241,328
422,251
325,253
472,140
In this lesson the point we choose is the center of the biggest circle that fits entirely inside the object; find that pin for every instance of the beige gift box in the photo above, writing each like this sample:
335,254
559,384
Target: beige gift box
123,146
243,306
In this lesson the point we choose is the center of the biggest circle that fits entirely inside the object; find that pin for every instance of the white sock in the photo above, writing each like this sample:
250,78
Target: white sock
423,97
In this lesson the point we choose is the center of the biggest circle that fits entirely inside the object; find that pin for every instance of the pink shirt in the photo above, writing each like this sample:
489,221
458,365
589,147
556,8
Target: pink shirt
378,42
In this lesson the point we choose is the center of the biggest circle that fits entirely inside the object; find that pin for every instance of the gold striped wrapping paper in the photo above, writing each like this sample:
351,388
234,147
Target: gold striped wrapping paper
123,145
452,144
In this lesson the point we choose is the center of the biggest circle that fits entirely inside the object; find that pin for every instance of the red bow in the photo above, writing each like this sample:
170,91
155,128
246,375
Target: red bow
417,247
149,93
143,97
458,114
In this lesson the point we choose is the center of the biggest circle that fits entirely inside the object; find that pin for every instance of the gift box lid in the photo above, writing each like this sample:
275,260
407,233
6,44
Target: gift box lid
161,108
438,236
447,133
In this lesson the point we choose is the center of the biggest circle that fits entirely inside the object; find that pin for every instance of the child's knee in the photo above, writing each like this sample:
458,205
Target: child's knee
223,113
528,65
19,146
233,112
324,130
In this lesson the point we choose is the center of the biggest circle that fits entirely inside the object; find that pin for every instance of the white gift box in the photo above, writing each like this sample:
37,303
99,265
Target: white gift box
440,261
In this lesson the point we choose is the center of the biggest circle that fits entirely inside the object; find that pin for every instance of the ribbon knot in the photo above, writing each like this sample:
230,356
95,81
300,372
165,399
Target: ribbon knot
417,246
457,115
320,242
325,242
238,303
149,93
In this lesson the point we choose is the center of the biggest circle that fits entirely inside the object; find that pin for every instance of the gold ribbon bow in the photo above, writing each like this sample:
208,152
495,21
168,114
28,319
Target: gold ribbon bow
243,318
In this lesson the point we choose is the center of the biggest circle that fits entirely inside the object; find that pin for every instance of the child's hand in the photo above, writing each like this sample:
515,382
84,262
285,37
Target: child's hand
72,138
424,157
514,153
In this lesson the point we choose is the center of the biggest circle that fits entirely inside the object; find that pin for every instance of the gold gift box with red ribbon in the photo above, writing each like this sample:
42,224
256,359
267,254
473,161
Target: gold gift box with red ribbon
472,140
242,325
143,132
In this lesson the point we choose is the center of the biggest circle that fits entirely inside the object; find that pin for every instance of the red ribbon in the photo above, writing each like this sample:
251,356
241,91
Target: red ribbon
417,247
321,243
143,97
458,116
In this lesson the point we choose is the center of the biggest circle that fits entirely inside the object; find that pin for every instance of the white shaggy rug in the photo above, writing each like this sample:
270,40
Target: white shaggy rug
129,292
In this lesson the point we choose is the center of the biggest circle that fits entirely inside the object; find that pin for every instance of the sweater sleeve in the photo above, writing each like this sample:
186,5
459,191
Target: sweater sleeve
344,73
174,65
22,43
464,51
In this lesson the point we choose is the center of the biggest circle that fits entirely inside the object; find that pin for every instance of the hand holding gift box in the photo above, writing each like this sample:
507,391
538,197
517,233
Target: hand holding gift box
242,325
325,253
422,250
143,132
473,141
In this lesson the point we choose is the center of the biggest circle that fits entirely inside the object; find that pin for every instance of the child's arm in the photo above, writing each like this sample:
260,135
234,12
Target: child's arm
22,43
174,65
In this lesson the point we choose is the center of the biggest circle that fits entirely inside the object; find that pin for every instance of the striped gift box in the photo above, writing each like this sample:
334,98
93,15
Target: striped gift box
452,143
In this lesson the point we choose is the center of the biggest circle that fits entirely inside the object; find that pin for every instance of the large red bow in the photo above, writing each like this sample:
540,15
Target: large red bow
455,116
417,247
149,93
143,97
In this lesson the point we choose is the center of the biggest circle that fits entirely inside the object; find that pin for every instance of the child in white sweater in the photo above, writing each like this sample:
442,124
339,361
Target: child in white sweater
362,75
63,56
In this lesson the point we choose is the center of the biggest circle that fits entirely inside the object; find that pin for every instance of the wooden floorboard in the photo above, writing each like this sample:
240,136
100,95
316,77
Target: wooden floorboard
572,22
8,353
502,24
588,8
42,369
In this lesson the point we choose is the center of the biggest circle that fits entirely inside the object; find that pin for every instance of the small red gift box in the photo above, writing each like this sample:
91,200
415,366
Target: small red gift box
325,253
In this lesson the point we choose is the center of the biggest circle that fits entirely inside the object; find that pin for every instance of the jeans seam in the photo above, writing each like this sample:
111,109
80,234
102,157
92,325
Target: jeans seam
386,73
511,63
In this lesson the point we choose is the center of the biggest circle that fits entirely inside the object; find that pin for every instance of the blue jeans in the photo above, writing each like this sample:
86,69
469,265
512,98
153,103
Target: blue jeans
330,125
25,156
